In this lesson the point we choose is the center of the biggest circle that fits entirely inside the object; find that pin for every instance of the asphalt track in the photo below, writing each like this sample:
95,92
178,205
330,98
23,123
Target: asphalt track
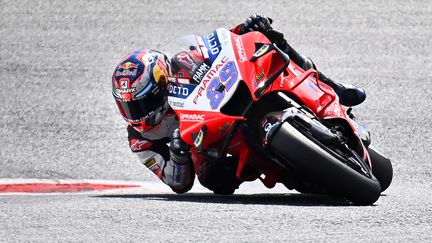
58,121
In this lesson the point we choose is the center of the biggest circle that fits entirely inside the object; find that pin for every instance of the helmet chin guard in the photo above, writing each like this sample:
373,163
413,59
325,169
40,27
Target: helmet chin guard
152,120
160,113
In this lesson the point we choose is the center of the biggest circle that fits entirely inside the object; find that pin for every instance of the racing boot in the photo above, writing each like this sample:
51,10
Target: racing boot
349,95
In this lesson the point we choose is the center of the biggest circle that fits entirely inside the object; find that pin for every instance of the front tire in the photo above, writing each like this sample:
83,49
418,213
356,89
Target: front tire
381,168
316,160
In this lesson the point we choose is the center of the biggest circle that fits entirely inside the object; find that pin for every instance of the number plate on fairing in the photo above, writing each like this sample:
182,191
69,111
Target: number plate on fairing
218,84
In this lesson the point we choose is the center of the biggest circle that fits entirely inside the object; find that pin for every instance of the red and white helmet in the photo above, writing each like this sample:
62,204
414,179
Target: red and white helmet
139,88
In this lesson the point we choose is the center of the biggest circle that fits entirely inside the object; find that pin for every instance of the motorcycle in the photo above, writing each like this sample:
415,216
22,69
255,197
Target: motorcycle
246,100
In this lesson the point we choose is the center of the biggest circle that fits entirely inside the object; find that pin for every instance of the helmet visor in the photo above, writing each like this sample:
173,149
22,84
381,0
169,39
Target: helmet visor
139,110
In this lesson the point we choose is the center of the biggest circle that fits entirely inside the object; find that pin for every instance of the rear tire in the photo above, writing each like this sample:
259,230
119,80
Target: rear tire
315,160
381,168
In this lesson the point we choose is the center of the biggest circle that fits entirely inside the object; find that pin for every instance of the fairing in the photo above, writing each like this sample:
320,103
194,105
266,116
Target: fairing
198,100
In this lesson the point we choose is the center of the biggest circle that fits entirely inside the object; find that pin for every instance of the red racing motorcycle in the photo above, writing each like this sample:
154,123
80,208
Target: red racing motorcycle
246,100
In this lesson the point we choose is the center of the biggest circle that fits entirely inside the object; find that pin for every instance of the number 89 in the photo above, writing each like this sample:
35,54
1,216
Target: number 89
227,76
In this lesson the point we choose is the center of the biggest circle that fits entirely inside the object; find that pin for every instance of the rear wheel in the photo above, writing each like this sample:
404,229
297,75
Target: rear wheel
343,173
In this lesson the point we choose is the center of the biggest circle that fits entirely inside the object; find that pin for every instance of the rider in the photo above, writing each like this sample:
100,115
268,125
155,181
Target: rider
139,87
140,90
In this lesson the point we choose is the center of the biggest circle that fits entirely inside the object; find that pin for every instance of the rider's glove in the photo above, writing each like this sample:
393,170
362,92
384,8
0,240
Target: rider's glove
257,22
179,150
178,172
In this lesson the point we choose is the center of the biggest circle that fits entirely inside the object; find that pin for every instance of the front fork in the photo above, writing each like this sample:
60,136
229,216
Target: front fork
362,131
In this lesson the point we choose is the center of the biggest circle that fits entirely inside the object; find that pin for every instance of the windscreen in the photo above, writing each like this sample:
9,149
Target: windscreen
189,59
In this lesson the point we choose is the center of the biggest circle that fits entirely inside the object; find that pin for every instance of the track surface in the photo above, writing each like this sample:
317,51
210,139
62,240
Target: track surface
58,120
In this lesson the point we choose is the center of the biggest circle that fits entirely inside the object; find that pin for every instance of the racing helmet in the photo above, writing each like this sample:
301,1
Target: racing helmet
139,87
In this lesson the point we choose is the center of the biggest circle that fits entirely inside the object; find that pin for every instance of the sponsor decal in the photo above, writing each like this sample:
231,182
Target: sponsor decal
127,69
139,145
176,104
255,83
128,65
124,84
191,117
225,37
184,57
180,90
260,76
209,77
183,80
179,80
156,169
199,138
262,50
223,128
213,45
240,49
153,166
124,87
200,72
268,126
125,91
150,162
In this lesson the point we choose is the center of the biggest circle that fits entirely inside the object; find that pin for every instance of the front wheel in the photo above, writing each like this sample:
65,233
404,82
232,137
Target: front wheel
381,168
343,175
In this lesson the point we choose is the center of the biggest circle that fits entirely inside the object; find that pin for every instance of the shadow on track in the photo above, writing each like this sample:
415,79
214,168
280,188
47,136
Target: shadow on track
258,199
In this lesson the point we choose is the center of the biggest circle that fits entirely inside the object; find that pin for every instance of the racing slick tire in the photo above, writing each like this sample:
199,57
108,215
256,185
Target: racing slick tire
314,159
382,168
